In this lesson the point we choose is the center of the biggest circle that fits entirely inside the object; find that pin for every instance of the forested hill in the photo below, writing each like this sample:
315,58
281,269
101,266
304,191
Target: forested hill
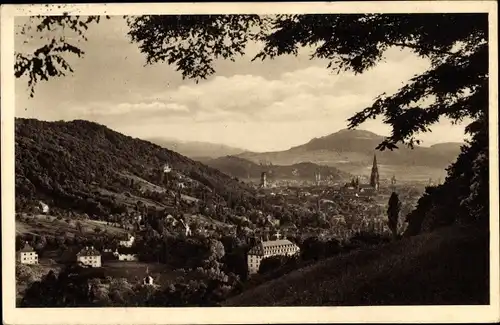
87,167
242,168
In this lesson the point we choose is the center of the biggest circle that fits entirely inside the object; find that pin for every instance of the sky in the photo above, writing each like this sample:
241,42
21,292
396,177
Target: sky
260,106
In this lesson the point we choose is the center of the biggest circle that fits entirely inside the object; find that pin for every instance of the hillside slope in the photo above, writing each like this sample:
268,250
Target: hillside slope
87,167
242,168
449,266
352,151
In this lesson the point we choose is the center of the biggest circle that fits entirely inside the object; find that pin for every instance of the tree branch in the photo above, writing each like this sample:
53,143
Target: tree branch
416,47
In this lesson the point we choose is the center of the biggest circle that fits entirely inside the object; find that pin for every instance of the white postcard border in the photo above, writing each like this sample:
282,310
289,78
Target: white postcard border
235,315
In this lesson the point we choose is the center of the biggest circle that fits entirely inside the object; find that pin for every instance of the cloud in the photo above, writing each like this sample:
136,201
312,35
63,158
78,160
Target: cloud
104,110
280,102
307,93
310,93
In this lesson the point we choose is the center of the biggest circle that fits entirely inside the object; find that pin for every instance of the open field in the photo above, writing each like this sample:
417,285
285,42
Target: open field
136,271
145,185
446,267
132,271
129,199
50,226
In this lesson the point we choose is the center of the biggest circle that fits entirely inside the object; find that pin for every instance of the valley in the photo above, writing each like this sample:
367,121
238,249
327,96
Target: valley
188,222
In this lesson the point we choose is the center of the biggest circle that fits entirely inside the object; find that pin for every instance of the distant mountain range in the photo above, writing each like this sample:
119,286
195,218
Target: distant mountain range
352,151
349,151
196,149
245,169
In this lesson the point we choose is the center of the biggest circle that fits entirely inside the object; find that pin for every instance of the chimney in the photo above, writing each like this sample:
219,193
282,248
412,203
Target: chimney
92,247
86,248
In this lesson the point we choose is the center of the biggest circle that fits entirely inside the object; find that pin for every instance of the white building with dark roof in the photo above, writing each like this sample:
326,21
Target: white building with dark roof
269,248
89,256
27,255
125,255
128,241
148,280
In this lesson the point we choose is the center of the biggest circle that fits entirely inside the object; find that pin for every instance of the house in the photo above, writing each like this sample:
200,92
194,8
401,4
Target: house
89,256
269,248
128,242
125,256
367,191
44,207
128,257
27,255
148,280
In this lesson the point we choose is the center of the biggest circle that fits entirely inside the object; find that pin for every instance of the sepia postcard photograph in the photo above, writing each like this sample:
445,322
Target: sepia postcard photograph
231,163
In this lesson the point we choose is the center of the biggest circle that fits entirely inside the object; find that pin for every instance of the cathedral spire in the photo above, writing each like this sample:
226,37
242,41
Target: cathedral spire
374,178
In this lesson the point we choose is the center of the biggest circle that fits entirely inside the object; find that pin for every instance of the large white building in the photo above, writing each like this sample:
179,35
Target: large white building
267,249
89,256
27,255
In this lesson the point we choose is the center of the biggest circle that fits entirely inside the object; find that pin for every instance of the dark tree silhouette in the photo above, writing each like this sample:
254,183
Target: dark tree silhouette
393,213
48,61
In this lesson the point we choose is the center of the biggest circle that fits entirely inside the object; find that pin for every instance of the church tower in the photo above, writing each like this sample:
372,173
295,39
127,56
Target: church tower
317,177
374,178
263,180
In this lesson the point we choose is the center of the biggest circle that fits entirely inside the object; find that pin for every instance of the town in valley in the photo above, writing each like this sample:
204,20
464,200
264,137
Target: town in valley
269,182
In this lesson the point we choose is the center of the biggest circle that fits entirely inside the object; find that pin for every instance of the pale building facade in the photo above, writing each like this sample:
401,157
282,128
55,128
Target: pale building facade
27,255
128,242
127,257
148,280
90,257
269,248
263,180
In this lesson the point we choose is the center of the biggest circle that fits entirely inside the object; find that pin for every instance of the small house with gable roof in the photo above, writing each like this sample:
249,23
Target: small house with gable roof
89,256
148,280
27,255
125,254
128,241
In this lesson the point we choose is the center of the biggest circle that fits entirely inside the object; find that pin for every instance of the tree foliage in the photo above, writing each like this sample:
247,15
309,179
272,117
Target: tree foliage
455,86
393,213
464,196
48,60
52,163
193,42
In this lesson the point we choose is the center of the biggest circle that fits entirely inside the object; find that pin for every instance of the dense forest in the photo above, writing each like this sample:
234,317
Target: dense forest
86,167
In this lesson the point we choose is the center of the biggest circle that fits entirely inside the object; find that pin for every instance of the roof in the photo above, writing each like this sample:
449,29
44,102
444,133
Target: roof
126,237
279,242
89,251
26,248
367,190
261,247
